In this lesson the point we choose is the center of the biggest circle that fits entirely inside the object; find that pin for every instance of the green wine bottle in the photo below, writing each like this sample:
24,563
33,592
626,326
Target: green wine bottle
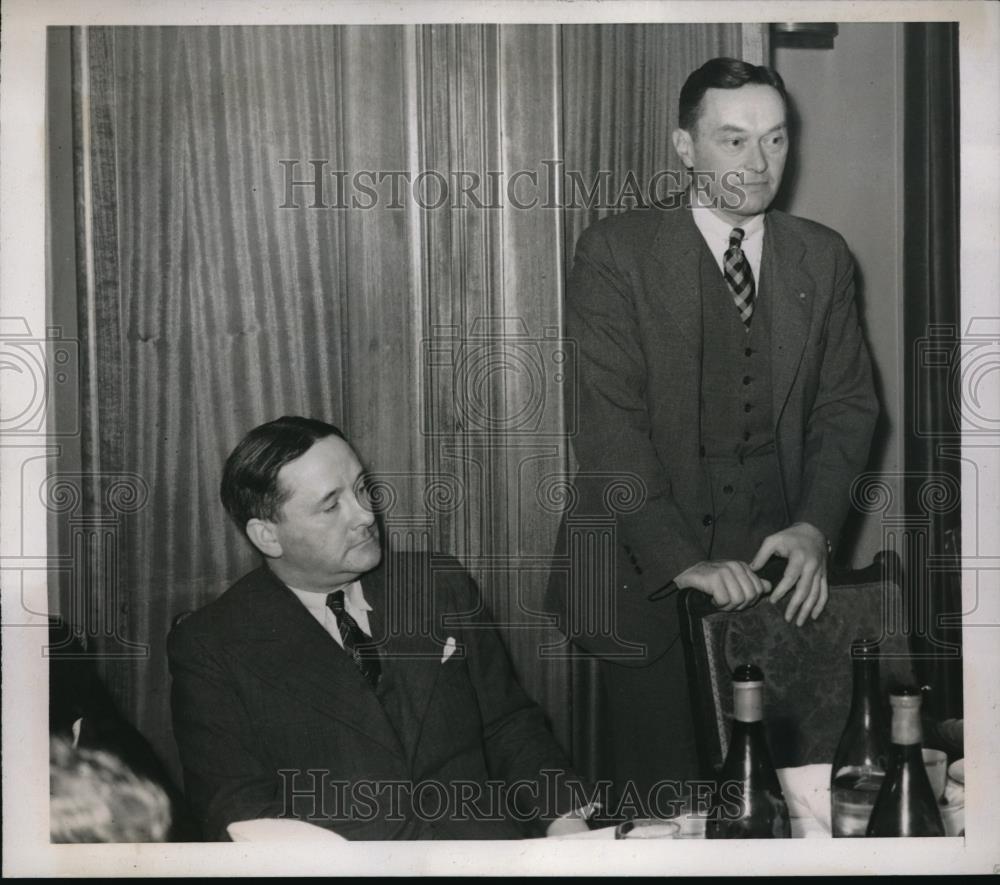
748,803
905,805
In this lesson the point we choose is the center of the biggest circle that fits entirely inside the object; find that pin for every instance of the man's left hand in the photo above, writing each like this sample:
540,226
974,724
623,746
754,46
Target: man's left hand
804,546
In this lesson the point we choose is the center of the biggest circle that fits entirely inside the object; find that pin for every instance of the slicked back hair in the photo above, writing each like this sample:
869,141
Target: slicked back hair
250,488
722,73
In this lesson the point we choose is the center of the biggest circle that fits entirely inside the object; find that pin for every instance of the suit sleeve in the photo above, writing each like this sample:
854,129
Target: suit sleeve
520,749
842,418
615,435
225,778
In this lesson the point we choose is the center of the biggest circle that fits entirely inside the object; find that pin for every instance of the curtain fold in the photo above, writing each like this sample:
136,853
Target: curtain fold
619,91
933,334
240,259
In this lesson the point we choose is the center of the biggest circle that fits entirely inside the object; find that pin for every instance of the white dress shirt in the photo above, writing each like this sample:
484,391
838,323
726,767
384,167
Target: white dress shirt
716,233
355,605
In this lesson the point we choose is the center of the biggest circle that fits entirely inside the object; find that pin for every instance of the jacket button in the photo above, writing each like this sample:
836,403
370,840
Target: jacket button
727,489
706,520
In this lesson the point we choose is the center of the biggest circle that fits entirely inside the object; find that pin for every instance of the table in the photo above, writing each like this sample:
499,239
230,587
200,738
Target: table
807,792
806,789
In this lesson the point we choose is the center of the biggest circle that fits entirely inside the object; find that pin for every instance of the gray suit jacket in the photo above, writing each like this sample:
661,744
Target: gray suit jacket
634,313
273,719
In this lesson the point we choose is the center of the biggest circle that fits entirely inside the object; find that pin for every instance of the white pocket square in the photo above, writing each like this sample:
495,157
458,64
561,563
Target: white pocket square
449,649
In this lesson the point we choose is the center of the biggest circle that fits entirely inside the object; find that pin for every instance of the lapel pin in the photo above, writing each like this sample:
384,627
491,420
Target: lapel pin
449,649
802,294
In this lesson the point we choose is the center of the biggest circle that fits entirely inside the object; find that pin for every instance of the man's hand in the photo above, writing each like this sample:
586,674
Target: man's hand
732,584
804,546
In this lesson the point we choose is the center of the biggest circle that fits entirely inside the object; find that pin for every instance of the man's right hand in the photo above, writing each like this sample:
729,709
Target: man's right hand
732,584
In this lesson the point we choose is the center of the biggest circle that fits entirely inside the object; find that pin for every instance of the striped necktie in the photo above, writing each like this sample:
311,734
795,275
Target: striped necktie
739,276
356,643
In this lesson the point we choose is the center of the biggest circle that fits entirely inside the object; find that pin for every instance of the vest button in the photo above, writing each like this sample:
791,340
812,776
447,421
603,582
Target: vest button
701,451
748,352
706,520
727,489
746,436
747,379
747,407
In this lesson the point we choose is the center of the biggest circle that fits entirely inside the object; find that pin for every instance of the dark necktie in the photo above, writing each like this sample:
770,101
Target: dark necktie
356,643
739,276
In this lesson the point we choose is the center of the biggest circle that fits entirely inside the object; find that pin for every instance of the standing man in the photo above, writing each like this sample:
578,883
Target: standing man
721,363
359,693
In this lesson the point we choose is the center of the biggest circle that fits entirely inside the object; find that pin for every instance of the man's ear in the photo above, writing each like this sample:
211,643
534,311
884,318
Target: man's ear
684,145
262,535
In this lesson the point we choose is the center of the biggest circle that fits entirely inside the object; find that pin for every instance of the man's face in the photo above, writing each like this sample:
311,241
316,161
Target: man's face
741,142
326,531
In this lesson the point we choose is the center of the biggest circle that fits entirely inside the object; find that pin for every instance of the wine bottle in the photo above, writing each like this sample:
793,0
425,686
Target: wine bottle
860,759
905,805
748,803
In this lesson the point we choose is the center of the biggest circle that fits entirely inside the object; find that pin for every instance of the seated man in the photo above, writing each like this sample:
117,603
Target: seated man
338,687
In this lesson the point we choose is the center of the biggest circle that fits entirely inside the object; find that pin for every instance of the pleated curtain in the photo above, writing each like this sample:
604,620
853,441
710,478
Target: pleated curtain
218,288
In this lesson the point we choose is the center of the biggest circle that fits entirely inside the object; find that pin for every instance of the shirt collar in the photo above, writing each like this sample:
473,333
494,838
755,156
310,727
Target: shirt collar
354,596
719,228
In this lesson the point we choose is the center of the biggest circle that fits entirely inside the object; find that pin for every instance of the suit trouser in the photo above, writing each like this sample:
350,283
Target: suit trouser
649,733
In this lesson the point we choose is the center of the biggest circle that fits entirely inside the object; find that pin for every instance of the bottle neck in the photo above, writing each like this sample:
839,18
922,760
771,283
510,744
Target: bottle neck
748,701
906,730
864,698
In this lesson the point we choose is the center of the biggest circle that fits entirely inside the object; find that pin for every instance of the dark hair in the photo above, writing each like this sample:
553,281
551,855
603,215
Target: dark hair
250,487
722,73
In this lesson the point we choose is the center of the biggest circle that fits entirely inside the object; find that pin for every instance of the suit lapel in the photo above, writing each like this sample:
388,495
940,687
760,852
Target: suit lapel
285,646
677,247
406,623
791,290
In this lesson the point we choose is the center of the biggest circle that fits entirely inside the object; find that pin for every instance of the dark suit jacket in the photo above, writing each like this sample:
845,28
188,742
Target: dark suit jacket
634,312
259,687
